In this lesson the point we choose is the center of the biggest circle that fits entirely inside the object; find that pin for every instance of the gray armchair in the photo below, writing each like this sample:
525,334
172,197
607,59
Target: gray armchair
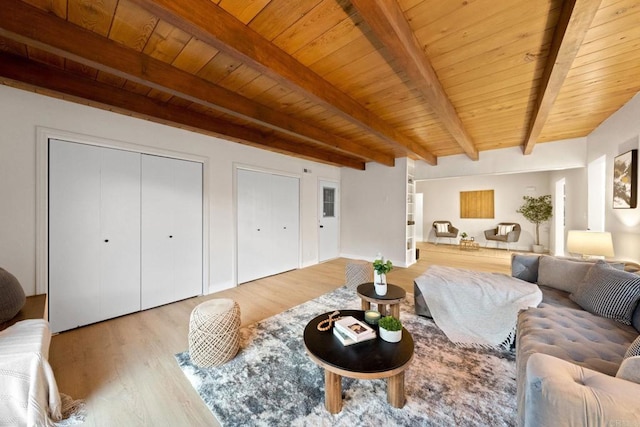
451,232
510,237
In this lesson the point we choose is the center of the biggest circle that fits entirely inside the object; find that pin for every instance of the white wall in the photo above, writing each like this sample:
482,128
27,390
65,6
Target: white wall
21,112
565,154
374,212
442,202
616,135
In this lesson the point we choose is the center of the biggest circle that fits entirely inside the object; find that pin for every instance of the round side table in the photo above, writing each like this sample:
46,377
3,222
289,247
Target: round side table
388,305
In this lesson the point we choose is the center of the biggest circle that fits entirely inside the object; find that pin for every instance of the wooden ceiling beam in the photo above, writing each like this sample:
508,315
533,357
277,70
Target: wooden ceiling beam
77,88
573,25
210,23
34,27
390,26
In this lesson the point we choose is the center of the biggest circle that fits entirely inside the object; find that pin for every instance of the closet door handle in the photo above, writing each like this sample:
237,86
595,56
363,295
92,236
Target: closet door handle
171,237
106,240
322,226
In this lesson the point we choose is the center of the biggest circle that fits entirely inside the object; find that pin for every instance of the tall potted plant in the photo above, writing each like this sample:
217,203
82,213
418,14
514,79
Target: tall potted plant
537,210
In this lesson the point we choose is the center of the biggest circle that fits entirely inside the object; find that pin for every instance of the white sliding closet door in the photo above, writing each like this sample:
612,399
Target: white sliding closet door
268,218
94,234
171,230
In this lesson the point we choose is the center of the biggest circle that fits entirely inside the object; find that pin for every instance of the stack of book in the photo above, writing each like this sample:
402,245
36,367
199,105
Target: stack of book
350,330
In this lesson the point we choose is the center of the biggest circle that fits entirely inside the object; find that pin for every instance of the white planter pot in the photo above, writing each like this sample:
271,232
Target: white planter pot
390,336
538,249
380,283
380,289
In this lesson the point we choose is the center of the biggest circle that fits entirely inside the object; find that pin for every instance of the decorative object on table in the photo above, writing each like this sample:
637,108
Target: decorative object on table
12,296
350,330
354,329
537,210
390,329
625,178
372,317
381,268
326,324
464,235
442,389
590,244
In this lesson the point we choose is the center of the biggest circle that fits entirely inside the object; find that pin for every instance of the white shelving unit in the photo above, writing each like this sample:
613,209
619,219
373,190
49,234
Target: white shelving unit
410,234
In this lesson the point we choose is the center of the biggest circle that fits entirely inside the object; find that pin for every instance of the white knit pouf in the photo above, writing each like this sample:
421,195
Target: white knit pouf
213,332
357,273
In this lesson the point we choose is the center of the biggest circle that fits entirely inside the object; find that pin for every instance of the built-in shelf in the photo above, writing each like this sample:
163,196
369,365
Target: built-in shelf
410,240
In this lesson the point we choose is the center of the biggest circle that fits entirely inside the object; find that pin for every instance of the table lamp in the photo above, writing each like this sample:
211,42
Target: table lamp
590,244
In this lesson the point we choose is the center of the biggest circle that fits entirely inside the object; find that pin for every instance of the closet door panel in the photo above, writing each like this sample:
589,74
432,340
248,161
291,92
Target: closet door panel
285,217
187,238
74,235
157,231
254,225
120,233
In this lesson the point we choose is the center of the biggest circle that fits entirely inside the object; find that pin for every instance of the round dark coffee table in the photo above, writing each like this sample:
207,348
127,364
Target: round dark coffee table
371,359
393,297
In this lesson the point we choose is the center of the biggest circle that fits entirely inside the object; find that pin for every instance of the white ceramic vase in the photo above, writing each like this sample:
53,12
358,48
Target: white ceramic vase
390,336
380,283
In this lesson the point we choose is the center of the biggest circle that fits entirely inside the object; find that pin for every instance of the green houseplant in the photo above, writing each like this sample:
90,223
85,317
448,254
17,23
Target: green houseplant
390,329
464,235
536,210
381,269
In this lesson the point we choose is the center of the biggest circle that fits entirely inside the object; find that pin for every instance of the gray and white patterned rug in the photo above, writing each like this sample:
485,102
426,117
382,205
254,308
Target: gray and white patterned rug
272,382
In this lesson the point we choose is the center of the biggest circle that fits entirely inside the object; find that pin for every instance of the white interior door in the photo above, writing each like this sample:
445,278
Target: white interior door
328,221
119,233
268,222
94,229
74,235
171,230
285,220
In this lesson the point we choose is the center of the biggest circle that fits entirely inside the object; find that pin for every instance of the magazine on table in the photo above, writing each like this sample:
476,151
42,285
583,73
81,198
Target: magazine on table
354,329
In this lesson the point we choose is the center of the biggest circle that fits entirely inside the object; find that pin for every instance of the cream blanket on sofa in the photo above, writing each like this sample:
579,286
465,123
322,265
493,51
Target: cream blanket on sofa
29,394
476,308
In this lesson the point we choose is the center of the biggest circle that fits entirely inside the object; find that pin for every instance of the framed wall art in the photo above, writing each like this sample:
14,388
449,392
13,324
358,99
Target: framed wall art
625,180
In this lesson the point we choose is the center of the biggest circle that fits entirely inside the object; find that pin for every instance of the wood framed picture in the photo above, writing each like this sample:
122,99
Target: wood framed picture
625,180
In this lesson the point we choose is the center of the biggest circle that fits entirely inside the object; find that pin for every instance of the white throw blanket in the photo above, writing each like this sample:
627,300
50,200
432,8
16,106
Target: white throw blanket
29,392
474,307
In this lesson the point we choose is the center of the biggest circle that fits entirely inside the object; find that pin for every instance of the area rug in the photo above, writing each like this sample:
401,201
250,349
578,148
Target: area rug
272,381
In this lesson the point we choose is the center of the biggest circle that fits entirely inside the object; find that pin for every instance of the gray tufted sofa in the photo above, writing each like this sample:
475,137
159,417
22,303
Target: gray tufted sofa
567,358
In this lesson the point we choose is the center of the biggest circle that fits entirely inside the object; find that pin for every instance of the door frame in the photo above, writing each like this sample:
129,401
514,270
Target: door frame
338,215
43,134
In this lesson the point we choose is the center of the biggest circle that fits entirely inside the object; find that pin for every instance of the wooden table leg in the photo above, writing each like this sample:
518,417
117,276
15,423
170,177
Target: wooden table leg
382,308
333,391
395,310
366,305
395,390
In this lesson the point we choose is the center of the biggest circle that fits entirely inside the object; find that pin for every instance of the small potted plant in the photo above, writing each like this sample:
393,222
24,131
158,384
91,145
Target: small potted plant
390,329
464,235
381,268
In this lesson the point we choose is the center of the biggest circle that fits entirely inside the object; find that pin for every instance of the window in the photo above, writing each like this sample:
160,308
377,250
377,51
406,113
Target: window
328,202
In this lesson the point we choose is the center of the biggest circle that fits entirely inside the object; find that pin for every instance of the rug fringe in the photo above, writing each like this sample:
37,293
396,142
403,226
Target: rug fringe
73,411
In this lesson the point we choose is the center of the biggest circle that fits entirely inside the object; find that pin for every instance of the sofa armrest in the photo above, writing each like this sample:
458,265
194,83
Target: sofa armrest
490,233
513,236
560,393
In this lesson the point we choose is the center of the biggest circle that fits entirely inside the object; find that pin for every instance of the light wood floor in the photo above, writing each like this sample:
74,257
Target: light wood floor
125,370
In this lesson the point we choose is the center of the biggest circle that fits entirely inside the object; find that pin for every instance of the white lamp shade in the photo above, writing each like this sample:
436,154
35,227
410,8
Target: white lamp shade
595,243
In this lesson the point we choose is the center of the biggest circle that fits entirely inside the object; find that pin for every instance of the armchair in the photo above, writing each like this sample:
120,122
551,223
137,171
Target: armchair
444,229
502,233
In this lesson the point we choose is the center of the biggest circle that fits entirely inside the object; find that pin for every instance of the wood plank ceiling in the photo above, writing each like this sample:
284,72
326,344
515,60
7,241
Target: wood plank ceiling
337,81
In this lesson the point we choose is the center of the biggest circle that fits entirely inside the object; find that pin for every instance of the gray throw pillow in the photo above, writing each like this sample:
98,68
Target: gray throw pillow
563,274
525,267
634,349
609,293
